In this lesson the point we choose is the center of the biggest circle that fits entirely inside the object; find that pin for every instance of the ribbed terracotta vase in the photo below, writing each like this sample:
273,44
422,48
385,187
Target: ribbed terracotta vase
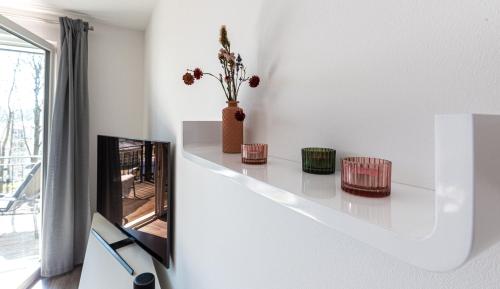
232,129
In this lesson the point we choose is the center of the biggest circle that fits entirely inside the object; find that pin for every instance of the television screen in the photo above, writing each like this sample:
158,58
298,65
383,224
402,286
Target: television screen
134,191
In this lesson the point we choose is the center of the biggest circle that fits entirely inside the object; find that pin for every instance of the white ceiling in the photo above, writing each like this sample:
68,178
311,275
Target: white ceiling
125,13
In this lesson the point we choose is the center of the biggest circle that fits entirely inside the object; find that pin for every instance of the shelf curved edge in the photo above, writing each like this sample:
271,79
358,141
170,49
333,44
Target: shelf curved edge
466,194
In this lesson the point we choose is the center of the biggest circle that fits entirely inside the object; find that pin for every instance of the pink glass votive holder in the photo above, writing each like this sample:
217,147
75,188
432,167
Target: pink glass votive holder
254,153
367,177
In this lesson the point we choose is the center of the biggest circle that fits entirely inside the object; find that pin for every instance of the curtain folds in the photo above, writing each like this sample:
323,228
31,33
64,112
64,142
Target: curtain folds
65,198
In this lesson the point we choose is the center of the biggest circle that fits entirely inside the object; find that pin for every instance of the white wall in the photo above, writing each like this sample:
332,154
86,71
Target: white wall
116,87
116,83
365,77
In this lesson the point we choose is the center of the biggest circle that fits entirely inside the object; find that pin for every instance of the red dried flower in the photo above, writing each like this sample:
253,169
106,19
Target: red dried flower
240,115
188,78
197,73
254,81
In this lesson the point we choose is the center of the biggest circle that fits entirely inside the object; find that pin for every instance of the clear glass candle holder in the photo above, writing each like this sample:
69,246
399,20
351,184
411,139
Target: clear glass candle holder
367,177
254,153
320,161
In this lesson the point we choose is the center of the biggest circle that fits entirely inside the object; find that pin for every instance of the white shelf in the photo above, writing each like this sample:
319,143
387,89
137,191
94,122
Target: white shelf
431,229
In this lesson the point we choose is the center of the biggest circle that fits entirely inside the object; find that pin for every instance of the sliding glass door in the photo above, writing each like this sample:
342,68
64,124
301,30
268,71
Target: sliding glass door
24,74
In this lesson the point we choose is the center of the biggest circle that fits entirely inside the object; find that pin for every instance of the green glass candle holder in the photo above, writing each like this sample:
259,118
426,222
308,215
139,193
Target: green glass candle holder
319,161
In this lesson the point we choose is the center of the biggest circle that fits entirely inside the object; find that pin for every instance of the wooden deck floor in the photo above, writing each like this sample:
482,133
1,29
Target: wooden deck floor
17,237
19,250
18,245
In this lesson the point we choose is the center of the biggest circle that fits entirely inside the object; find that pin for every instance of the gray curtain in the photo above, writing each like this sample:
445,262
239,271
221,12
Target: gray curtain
65,198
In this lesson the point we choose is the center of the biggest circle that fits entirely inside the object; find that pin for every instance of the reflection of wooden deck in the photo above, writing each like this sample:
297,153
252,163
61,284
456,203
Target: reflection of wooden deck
134,208
157,227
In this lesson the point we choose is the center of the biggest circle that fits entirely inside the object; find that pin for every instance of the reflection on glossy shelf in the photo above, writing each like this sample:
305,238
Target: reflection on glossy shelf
409,211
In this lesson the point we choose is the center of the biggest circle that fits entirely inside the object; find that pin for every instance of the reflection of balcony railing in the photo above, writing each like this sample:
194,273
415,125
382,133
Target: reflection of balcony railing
134,160
14,170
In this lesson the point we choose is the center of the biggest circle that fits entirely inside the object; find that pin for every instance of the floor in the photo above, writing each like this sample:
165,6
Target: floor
19,250
67,281
142,204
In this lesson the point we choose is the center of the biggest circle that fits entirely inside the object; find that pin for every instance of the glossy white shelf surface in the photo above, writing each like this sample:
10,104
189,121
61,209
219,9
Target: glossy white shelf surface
433,229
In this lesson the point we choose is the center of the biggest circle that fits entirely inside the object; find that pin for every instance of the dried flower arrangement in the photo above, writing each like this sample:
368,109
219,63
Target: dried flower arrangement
234,70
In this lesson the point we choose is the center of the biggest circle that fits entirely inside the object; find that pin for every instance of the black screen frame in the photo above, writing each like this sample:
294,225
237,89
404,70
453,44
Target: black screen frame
165,261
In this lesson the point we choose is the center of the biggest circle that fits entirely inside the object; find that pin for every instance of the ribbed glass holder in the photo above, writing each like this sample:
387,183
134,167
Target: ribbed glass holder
254,153
320,161
367,177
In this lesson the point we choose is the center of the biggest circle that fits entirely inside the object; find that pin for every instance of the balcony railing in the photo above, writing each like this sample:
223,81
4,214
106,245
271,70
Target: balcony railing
14,170
20,185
